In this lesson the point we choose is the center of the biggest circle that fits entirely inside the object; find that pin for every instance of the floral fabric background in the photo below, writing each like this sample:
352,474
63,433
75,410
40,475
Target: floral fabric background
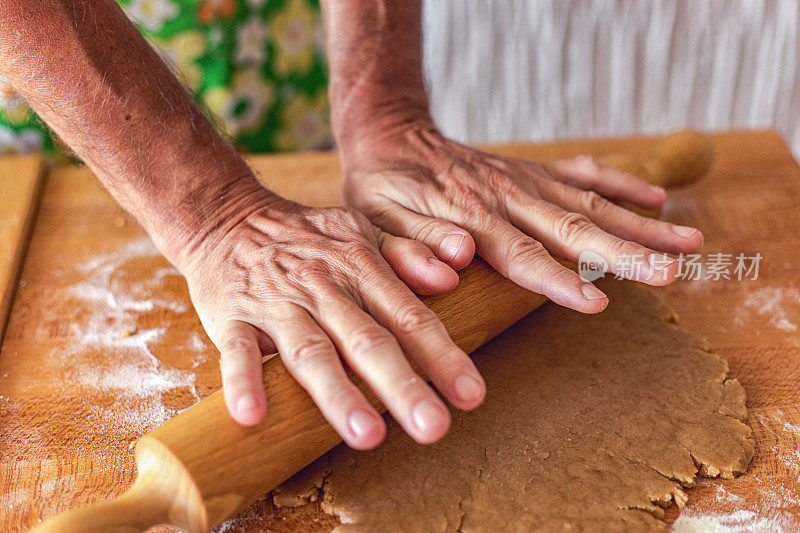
257,66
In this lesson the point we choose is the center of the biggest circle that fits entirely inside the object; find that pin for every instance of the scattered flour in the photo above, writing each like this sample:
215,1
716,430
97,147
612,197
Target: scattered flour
788,453
769,505
723,495
778,304
198,345
10,500
135,378
238,522
787,426
771,510
98,286
741,521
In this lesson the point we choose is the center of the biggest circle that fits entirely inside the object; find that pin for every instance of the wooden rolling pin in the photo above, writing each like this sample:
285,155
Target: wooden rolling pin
678,159
201,467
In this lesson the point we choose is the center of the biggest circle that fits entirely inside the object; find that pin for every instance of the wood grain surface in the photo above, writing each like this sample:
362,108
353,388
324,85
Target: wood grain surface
102,344
21,178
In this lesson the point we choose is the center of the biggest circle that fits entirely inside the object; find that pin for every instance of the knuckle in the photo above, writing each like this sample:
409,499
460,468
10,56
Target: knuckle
311,272
572,227
447,360
588,163
360,255
310,351
341,396
369,339
379,213
470,201
500,180
623,248
425,231
238,345
415,318
353,218
524,251
593,202
559,276
651,225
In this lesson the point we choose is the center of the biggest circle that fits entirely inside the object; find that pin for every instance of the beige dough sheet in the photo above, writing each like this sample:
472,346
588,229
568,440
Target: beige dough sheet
591,423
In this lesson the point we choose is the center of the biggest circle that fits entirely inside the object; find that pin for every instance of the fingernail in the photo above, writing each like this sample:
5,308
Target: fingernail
247,402
684,231
361,422
426,415
467,387
451,245
656,189
590,292
660,261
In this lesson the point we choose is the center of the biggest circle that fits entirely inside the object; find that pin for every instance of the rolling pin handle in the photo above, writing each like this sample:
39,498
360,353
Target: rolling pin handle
130,513
162,494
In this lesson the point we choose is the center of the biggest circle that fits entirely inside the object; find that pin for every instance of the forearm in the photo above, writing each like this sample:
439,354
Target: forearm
87,71
375,57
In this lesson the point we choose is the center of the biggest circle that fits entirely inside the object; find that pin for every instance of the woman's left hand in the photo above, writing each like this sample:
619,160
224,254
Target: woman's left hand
520,216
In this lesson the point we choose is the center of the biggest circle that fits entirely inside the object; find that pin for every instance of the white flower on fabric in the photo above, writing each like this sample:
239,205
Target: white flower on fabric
24,142
304,123
30,141
11,102
293,31
8,140
251,41
151,14
241,108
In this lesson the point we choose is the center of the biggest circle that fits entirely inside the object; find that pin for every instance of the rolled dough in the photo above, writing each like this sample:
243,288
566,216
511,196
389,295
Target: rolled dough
591,423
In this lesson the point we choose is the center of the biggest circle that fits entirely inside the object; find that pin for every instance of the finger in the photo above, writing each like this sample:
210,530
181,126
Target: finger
376,356
311,358
569,234
450,243
525,261
240,365
623,223
585,172
425,340
416,265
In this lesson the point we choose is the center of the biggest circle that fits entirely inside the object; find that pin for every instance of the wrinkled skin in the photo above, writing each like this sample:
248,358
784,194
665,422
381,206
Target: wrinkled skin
324,286
318,284
518,215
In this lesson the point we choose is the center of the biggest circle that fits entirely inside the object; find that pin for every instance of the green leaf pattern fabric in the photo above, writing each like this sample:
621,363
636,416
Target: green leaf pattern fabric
257,67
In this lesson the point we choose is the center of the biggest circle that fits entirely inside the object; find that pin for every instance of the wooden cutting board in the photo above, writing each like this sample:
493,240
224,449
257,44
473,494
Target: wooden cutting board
102,344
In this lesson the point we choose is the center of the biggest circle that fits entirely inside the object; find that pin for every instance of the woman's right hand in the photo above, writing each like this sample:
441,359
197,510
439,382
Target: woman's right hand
321,286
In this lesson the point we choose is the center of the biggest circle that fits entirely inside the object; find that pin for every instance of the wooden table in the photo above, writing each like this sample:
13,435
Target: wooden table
102,344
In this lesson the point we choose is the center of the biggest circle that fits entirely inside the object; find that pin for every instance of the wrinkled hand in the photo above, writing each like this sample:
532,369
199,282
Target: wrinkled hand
321,286
518,215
